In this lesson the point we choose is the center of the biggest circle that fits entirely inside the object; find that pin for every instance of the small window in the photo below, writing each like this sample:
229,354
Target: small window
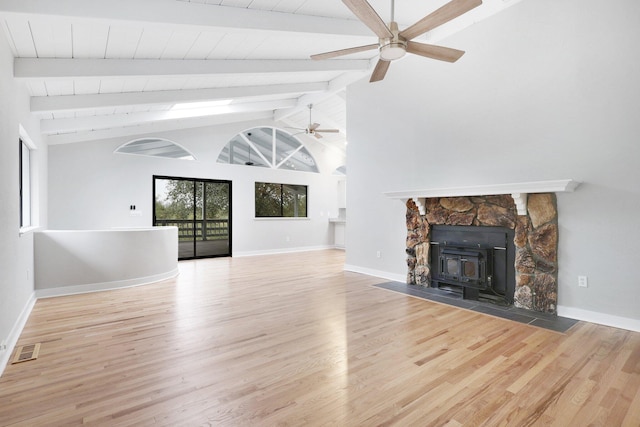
25,185
280,200
155,147
341,170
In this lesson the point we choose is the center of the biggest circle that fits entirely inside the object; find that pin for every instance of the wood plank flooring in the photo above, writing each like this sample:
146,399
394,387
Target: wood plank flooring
291,340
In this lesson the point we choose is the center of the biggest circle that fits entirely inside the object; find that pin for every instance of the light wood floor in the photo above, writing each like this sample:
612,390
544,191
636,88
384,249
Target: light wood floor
292,340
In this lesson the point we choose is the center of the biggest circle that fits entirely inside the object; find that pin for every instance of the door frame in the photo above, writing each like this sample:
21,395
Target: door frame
195,181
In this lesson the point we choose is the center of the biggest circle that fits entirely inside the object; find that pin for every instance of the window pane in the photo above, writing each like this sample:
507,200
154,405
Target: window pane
280,200
268,199
262,140
155,147
301,160
268,147
294,200
25,185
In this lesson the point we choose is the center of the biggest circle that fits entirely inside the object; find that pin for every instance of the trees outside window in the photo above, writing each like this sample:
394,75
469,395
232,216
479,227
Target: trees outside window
280,200
200,208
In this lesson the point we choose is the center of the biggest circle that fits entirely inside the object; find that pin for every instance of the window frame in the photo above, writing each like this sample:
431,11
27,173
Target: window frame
264,147
25,188
32,192
282,201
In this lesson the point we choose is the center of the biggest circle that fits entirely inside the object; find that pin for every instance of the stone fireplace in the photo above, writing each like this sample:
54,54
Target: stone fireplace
529,218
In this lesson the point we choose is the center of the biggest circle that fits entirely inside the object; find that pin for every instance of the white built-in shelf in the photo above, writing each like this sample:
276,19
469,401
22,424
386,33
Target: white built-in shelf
518,190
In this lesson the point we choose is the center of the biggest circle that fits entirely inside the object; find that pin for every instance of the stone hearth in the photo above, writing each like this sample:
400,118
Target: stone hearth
536,239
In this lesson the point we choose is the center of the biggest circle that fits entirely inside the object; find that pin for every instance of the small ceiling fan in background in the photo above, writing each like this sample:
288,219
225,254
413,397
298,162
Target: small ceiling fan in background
313,128
394,44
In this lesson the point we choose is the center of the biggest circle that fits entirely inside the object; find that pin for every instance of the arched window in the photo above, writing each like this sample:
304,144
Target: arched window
155,147
268,147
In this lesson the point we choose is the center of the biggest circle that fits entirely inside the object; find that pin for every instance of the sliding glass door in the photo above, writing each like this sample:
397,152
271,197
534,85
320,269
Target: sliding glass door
200,208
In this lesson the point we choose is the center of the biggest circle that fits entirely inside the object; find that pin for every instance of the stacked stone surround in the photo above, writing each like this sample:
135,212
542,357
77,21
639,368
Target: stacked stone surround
536,240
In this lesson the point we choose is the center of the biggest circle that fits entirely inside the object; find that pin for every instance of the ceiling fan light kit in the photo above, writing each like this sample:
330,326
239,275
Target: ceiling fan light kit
394,44
393,48
393,51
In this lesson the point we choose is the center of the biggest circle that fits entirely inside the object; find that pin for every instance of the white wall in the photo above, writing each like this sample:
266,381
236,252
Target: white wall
547,90
92,188
16,251
77,261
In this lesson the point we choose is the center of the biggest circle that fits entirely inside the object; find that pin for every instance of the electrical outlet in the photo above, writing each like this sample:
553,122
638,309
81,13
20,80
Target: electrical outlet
3,346
582,282
378,254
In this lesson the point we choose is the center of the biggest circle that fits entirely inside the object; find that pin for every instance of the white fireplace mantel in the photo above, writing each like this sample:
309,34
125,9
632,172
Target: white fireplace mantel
518,190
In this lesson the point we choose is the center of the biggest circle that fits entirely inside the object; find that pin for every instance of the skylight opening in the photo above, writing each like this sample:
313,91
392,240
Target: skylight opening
200,104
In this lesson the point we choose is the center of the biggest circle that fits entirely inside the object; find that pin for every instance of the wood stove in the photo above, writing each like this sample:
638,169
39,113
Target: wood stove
475,261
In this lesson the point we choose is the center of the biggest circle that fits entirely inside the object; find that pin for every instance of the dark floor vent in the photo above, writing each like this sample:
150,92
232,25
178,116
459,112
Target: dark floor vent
26,353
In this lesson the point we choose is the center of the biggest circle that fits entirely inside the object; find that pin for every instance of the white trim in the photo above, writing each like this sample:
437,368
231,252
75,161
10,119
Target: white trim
29,229
281,251
376,273
25,138
518,190
281,218
105,286
570,312
600,318
562,185
16,331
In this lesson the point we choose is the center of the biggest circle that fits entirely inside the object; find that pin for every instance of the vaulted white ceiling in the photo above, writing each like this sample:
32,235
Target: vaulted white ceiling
98,69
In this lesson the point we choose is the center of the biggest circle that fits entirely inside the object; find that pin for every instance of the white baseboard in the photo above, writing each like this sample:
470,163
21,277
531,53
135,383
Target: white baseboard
70,290
281,251
376,273
94,287
15,332
570,312
600,318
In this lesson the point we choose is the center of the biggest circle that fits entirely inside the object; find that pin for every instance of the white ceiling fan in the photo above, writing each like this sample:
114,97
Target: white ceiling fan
394,44
314,128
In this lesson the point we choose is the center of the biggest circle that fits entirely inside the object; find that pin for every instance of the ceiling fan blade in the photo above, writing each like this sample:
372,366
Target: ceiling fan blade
369,17
380,70
341,52
317,135
313,126
446,13
328,130
435,52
